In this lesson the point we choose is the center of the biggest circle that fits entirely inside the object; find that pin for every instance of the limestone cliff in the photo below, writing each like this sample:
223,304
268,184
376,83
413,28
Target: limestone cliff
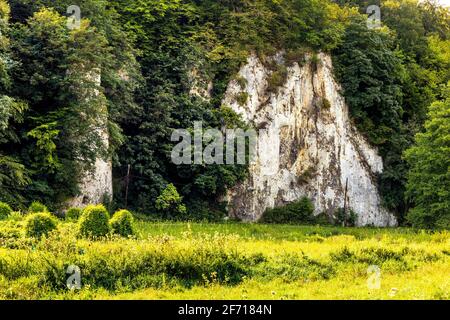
307,145
95,182
95,185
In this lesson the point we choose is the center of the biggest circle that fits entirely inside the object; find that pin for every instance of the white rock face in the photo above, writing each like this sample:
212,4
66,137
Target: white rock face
96,185
307,146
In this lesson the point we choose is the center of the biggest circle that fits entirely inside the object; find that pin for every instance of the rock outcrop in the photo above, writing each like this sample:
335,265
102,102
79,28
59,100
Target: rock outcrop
95,182
307,145
95,185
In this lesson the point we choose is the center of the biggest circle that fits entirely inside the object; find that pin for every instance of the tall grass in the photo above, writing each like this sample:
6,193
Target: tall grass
178,258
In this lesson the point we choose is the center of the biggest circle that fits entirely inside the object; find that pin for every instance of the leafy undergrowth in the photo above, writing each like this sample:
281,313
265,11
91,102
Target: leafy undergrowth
226,261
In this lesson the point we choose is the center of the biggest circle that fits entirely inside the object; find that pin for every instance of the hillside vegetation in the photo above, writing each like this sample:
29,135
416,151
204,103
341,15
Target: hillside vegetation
147,52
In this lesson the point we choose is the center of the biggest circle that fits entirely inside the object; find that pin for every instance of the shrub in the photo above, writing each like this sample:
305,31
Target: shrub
73,214
5,210
322,219
8,232
39,224
428,177
277,79
169,203
94,221
296,55
242,82
326,104
202,210
301,211
15,216
242,98
348,218
122,223
315,61
37,207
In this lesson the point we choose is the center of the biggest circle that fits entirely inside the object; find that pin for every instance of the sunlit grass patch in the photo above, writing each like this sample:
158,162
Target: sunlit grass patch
225,261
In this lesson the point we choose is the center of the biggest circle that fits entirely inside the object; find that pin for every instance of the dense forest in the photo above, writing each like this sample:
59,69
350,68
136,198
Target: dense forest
395,80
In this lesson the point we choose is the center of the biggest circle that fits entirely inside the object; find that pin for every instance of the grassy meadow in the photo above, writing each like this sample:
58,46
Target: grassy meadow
226,261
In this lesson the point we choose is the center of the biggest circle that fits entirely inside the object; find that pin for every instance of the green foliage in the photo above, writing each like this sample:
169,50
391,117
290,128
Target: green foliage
56,91
5,210
277,78
111,265
150,54
169,203
94,222
15,216
210,40
429,176
73,214
369,72
346,218
323,219
13,176
315,61
242,98
122,223
52,79
326,104
390,77
13,173
183,260
45,137
299,212
242,82
201,210
297,55
40,224
37,207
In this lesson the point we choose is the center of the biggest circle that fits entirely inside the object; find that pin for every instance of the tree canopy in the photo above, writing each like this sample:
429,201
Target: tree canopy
148,55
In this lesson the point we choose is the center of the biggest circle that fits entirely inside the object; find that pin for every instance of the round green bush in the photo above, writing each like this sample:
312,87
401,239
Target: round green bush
5,210
39,224
73,214
122,223
94,222
37,207
15,216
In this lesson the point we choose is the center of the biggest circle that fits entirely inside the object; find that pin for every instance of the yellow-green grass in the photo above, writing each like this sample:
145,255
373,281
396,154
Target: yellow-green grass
227,261
427,282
